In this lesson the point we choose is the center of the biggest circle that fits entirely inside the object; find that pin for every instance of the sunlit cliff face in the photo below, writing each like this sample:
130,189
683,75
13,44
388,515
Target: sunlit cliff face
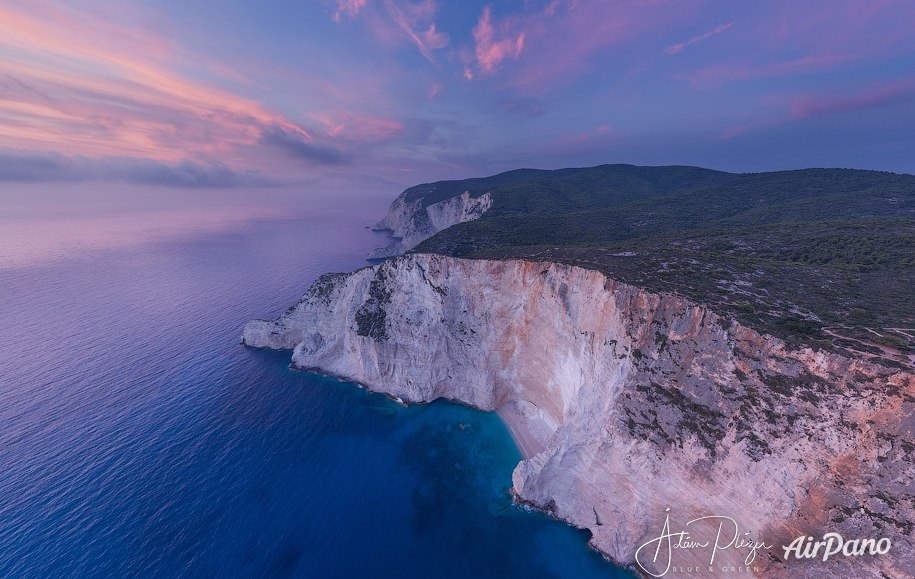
624,402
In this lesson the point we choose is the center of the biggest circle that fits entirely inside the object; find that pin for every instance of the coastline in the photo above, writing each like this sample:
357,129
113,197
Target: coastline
527,445
569,360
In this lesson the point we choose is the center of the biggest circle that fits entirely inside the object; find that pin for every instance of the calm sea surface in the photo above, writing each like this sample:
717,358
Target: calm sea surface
139,439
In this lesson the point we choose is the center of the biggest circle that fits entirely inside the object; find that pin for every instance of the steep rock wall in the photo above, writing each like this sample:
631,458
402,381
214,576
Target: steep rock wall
410,223
627,403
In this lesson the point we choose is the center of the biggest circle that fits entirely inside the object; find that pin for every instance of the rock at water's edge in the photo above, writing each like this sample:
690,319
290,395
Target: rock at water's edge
626,403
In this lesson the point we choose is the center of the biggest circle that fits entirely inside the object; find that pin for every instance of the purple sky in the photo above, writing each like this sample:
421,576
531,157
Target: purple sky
226,93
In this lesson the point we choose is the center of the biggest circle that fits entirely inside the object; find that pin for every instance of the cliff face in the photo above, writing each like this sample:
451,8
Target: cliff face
627,403
410,224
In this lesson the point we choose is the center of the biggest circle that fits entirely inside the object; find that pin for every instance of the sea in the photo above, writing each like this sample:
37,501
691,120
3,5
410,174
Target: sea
138,438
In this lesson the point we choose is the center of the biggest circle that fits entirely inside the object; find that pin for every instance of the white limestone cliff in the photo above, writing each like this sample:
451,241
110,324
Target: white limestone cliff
626,403
409,224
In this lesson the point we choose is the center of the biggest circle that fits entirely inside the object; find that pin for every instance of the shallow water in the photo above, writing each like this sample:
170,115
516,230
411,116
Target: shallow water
138,438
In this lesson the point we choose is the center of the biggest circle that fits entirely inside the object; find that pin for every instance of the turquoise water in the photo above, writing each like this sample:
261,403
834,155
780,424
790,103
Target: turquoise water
139,439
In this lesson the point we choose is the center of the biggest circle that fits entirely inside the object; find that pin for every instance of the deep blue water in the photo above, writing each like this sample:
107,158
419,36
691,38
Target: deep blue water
138,438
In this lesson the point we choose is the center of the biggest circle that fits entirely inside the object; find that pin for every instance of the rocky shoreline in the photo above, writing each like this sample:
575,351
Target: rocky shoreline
626,403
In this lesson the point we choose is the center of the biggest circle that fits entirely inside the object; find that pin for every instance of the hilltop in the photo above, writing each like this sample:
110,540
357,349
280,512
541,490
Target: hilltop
820,257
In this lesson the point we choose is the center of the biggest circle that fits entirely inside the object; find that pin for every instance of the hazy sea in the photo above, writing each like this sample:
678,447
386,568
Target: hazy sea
139,439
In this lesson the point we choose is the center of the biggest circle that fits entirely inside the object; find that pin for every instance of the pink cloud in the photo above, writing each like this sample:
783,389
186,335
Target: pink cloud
563,40
348,8
799,107
366,128
720,73
357,127
78,84
599,134
396,22
491,52
883,94
410,18
733,132
432,39
676,48
788,37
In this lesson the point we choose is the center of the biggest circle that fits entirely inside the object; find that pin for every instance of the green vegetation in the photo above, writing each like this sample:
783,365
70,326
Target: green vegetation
372,317
820,257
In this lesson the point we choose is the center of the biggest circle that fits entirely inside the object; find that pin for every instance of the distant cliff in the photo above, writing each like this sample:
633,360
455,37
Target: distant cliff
626,403
410,221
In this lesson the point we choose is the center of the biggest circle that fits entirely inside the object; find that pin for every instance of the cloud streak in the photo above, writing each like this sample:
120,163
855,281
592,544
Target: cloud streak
411,19
297,145
809,106
44,167
883,94
83,86
428,89
721,73
563,41
680,47
348,9
399,22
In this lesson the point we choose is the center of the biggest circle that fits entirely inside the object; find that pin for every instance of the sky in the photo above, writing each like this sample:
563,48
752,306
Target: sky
221,94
